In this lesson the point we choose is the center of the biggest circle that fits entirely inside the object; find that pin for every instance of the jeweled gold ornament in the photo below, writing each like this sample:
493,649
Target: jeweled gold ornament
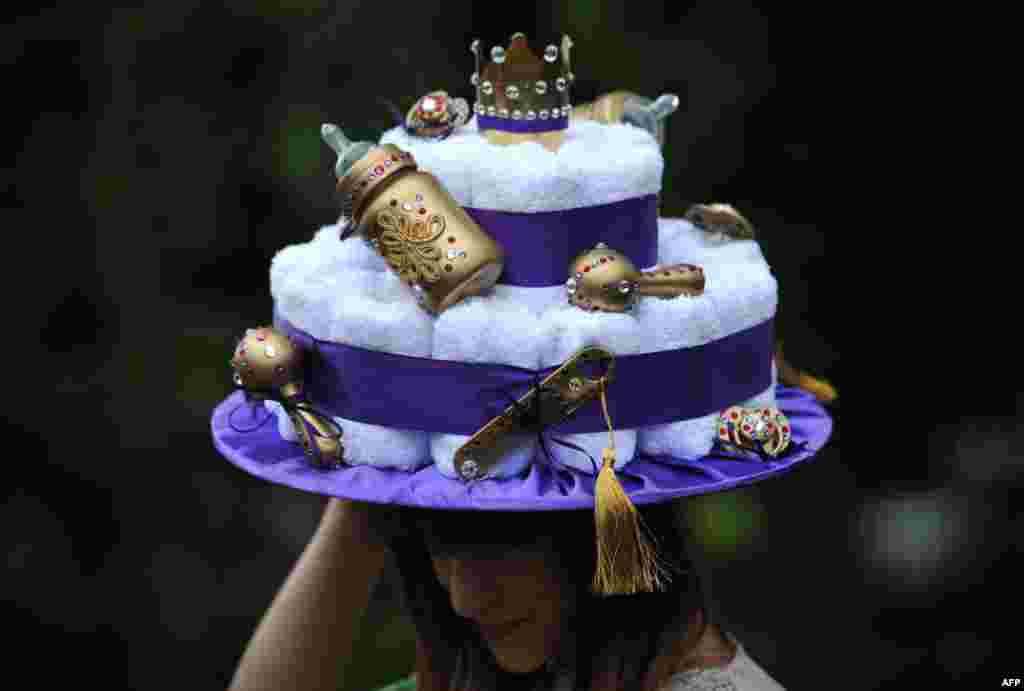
625,106
765,430
436,115
413,222
720,218
605,280
268,365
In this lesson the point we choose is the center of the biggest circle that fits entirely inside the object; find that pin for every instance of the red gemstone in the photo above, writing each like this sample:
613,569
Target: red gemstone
586,269
379,170
785,429
735,415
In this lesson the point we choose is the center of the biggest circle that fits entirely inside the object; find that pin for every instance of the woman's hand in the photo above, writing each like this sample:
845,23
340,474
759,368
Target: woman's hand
373,525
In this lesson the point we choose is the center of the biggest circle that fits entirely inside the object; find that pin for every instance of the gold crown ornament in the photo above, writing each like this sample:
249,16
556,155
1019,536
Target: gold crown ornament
605,280
720,218
520,97
436,115
625,106
411,220
268,365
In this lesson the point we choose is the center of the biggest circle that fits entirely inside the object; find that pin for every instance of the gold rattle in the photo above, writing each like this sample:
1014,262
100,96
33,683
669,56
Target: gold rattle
605,280
268,365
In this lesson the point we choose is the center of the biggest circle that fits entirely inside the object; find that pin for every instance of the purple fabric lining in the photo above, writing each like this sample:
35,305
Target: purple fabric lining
630,226
487,122
459,398
647,479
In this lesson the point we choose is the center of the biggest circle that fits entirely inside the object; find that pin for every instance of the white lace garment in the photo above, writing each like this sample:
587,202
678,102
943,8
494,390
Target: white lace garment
741,674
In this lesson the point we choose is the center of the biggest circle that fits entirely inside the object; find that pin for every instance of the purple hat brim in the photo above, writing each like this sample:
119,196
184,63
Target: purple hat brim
647,479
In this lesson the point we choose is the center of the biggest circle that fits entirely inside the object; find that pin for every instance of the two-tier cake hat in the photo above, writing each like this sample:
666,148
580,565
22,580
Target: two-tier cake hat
501,321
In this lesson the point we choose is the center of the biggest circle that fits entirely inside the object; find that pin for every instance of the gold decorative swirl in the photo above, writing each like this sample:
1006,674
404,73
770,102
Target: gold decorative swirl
428,230
403,245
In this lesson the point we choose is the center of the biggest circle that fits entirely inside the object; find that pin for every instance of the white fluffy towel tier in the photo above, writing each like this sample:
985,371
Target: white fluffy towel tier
487,329
597,164
536,299
324,254
342,291
744,293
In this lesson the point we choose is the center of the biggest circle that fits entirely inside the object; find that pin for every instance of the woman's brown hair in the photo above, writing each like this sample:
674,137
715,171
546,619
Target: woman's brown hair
620,642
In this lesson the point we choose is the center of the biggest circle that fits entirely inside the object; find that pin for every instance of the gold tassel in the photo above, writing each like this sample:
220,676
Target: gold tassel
627,561
791,376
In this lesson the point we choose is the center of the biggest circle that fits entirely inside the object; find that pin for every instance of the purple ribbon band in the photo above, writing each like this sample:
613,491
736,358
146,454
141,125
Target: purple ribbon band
487,122
540,246
451,397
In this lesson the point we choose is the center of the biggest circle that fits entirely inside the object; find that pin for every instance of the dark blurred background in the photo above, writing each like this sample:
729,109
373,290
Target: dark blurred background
165,152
